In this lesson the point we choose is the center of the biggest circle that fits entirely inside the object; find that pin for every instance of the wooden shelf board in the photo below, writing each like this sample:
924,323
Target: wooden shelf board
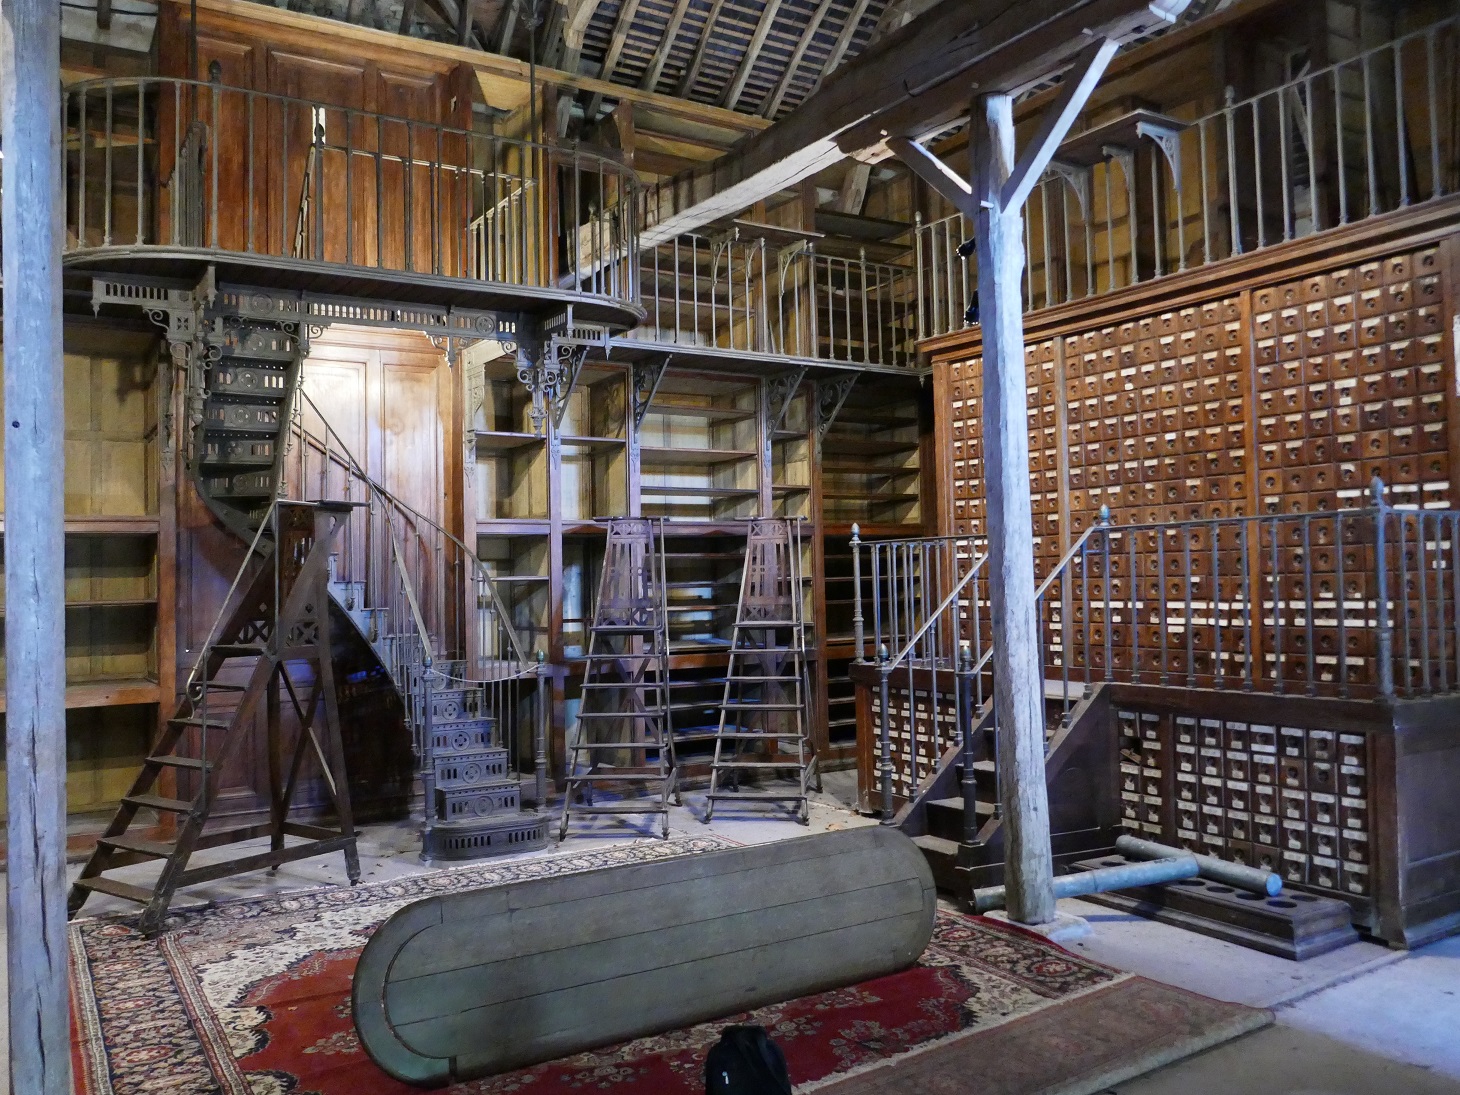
506,442
685,410
667,456
849,446
101,526
116,693
654,490
594,442
869,499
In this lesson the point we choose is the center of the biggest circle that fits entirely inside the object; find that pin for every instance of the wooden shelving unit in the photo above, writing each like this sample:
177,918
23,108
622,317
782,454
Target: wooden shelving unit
708,452
118,572
699,449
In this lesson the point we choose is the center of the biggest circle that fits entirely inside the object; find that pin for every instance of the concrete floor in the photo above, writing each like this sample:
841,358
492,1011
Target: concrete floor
1360,1021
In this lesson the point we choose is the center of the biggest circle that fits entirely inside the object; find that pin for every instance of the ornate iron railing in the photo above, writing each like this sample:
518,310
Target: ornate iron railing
1370,135
1359,603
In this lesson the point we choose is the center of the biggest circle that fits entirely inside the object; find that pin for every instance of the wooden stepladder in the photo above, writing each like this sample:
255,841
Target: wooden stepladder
624,741
763,715
279,626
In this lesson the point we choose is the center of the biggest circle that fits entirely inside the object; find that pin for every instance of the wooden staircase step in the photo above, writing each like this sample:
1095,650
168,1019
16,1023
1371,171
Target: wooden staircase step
202,723
125,890
193,763
158,802
141,845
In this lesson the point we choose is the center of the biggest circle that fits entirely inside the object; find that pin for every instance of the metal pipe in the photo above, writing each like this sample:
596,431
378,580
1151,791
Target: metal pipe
1218,870
1146,873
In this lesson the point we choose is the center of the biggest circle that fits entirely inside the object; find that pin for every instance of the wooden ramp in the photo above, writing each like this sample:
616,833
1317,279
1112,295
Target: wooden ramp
471,984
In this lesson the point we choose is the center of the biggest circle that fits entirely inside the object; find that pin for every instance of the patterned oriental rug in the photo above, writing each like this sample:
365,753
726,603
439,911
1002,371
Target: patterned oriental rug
252,997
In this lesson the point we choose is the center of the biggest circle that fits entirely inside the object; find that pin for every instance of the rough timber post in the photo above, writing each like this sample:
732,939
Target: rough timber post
35,684
1018,690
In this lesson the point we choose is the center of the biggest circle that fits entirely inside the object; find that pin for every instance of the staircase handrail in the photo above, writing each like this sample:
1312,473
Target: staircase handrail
937,613
410,591
353,466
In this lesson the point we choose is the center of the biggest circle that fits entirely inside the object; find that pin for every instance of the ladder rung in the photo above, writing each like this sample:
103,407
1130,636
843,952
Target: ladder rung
738,678
219,686
649,806
140,845
752,734
238,650
124,890
620,714
622,629
742,705
202,723
630,777
764,796
619,745
194,763
157,802
764,623
757,764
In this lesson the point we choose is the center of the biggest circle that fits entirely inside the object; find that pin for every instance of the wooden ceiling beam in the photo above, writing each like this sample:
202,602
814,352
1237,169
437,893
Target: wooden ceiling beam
736,87
626,12
843,40
936,60
692,71
783,85
671,32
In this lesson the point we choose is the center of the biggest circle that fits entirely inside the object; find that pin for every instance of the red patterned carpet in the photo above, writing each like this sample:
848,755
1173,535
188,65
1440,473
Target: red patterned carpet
253,998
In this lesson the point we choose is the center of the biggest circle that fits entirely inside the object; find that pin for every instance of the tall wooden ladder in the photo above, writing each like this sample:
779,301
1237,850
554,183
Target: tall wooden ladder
625,744
276,636
763,715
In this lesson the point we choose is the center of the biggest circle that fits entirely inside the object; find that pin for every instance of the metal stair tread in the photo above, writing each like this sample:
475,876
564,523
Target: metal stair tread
762,796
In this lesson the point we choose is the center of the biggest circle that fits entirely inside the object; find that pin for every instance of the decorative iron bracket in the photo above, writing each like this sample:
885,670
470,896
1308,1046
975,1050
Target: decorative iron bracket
831,394
1077,178
1168,140
567,362
647,376
779,391
1123,156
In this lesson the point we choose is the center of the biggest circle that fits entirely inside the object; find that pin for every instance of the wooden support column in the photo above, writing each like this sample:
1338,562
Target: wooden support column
35,625
1001,183
1018,690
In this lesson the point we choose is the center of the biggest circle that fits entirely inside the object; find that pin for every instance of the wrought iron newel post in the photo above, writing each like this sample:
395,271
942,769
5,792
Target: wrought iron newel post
884,758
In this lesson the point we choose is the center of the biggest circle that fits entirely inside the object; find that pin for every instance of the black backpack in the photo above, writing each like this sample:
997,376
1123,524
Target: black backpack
746,1062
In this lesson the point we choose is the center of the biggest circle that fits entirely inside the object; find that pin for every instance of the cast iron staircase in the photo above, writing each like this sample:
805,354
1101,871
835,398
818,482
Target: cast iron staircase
279,622
624,741
762,727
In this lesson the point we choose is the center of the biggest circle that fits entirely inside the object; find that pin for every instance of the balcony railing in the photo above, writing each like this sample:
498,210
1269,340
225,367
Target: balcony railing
163,165
1367,136
1359,603
741,294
